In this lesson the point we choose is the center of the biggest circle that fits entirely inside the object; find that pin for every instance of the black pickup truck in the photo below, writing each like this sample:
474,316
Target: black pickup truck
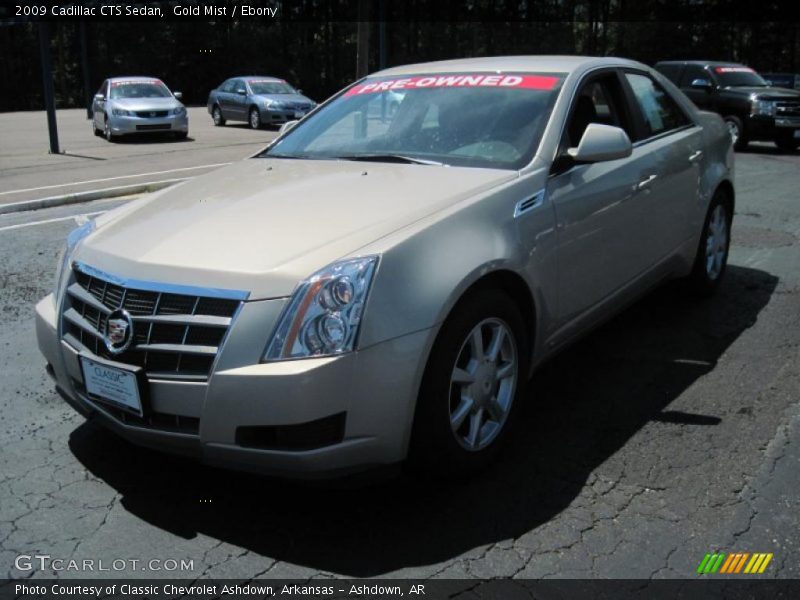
753,110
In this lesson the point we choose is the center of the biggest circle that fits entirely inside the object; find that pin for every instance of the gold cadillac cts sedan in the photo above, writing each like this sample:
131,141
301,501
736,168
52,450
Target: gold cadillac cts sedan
377,285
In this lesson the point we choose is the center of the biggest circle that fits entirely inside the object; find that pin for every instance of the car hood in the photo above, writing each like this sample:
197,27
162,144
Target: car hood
261,225
146,103
765,93
292,98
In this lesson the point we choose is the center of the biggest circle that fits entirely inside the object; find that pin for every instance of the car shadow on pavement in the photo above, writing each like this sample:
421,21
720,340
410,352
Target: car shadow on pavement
585,405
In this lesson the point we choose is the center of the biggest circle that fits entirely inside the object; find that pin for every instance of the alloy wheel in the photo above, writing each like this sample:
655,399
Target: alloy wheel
733,129
716,242
217,115
255,119
483,384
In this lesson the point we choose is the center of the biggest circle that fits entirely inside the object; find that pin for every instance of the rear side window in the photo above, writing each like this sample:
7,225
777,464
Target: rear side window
691,73
661,113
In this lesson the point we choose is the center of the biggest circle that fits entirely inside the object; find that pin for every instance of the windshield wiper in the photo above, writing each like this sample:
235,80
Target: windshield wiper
397,158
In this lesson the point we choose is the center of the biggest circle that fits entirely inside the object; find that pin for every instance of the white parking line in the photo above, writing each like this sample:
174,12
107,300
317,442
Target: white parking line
48,187
56,220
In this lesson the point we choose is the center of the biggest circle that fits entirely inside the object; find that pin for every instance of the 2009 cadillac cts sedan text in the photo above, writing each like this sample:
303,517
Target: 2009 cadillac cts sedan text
377,286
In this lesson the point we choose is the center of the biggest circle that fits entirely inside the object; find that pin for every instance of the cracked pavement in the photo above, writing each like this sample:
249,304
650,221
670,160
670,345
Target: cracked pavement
672,431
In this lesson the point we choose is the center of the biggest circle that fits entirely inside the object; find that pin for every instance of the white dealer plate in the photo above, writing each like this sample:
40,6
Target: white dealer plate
112,384
299,114
797,133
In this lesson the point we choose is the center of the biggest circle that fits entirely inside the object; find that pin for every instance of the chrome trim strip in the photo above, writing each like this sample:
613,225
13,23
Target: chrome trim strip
207,320
76,291
168,288
529,204
177,348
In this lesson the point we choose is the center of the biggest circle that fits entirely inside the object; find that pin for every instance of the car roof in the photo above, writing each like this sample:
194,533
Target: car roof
534,64
264,77
135,78
702,63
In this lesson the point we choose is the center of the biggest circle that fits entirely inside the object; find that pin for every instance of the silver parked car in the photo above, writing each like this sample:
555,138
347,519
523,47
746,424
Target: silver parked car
258,100
130,105
368,289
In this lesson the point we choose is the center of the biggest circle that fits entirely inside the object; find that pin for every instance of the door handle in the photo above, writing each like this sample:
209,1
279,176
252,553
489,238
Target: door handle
696,156
646,182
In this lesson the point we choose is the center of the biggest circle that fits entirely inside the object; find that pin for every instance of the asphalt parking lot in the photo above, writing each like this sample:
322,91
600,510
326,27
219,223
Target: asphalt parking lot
28,171
672,431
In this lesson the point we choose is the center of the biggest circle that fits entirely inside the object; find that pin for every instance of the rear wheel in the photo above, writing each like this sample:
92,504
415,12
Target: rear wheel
737,132
216,114
255,118
787,142
471,386
712,253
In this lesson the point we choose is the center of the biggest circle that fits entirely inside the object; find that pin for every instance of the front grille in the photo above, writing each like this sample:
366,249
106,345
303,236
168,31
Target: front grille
153,127
151,113
787,108
175,336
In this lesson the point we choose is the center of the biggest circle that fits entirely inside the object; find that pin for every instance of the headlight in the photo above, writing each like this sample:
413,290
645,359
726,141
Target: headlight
762,107
324,313
118,112
73,239
273,104
178,111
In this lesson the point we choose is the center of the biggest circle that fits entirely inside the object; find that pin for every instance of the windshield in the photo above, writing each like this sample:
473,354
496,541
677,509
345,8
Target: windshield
477,120
139,89
271,87
738,76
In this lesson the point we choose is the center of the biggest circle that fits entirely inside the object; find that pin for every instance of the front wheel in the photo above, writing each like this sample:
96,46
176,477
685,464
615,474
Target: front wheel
109,135
737,132
216,115
712,253
255,118
471,387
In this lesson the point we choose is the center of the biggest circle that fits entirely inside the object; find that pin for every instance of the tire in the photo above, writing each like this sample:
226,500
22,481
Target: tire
452,438
712,252
738,133
110,137
216,115
254,118
95,130
787,142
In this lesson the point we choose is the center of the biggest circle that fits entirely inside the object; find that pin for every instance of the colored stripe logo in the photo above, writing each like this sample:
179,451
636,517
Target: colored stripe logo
733,563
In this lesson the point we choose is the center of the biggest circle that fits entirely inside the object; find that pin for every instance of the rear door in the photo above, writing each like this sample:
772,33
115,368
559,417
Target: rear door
224,99
98,107
672,144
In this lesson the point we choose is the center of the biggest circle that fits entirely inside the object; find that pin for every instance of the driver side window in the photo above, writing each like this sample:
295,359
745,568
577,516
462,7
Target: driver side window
597,102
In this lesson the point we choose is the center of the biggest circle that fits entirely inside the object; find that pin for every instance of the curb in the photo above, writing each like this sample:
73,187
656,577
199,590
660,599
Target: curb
78,197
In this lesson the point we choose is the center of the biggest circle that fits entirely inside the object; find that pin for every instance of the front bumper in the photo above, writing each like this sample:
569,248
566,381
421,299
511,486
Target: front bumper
125,125
765,128
282,115
370,393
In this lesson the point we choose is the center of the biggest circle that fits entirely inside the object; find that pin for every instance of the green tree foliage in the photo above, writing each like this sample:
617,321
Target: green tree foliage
314,48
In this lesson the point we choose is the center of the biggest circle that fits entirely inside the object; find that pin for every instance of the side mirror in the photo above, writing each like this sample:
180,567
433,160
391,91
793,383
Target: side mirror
178,95
701,84
600,143
299,91
287,126
99,97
